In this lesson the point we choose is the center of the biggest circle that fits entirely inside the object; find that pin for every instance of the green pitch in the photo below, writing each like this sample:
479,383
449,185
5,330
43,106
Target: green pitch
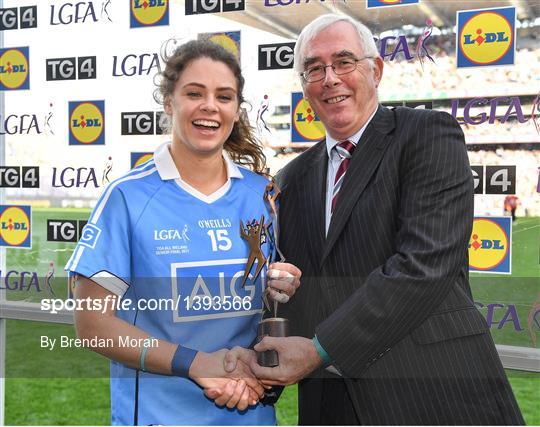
70,386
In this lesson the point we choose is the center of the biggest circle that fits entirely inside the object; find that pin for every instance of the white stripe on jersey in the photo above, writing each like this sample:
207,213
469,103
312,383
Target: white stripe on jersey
133,174
101,204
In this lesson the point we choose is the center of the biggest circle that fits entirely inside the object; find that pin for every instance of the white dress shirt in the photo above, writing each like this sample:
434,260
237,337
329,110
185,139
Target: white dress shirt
334,161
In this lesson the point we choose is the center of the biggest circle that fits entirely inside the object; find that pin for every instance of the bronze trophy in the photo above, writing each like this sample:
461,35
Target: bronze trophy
255,233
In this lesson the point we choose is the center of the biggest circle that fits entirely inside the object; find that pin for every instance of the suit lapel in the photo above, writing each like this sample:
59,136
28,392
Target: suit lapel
313,197
364,163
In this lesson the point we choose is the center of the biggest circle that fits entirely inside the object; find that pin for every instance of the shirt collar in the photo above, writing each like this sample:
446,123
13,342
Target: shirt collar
331,142
167,169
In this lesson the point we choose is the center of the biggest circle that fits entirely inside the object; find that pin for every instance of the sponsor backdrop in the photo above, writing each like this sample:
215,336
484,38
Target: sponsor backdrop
90,70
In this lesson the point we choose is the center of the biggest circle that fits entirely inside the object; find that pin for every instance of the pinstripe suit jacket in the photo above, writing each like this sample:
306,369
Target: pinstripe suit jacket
387,291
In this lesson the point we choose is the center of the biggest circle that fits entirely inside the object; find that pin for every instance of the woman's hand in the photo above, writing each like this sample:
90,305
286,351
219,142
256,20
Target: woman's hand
238,388
283,281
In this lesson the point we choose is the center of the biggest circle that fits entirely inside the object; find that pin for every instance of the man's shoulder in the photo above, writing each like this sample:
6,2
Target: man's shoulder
421,115
300,164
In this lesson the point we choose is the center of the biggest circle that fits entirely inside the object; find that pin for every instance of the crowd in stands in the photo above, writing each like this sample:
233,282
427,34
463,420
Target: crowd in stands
510,131
442,79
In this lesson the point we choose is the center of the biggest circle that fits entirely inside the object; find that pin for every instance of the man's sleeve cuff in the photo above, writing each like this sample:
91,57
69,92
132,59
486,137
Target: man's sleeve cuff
322,352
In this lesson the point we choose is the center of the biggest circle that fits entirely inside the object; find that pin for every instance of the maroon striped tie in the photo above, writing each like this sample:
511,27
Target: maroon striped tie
345,150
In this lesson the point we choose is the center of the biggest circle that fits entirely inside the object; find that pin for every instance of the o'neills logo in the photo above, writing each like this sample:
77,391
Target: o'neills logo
486,37
14,69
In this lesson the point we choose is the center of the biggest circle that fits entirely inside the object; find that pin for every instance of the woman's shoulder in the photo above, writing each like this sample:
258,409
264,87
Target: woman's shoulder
143,174
252,179
135,183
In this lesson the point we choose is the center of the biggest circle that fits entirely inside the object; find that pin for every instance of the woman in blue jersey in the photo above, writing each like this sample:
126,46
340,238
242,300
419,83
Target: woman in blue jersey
162,259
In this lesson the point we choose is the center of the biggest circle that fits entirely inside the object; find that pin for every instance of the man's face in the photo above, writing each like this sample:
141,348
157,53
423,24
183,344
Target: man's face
345,102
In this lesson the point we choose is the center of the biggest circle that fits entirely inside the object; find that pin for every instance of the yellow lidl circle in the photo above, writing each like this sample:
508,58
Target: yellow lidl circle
226,42
14,226
14,65
86,122
391,1
148,12
488,245
486,37
144,158
306,122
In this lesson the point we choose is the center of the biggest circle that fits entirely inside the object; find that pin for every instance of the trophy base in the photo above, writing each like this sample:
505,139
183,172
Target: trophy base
273,327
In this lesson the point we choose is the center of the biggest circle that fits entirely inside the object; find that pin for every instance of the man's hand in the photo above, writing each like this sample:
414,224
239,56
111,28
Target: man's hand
298,357
237,387
283,281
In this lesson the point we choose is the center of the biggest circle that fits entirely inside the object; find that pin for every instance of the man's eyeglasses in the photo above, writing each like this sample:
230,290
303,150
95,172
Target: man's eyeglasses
340,67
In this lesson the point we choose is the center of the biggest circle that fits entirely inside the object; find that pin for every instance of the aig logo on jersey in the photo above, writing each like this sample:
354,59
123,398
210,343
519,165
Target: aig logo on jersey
215,285
486,37
306,126
146,13
86,122
14,68
490,245
15,226
380,3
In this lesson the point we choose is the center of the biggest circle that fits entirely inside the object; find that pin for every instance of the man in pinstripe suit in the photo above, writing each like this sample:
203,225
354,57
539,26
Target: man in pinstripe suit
380,228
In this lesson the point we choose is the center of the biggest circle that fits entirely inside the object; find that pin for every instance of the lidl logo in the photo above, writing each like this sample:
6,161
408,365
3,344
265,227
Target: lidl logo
486,37
490,245
138,159
14,68
306,126
15,226
379,3
145,13
230,40
86,122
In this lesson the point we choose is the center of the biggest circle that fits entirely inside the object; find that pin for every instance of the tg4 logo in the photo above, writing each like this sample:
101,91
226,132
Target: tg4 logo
498,179
195,7
14,18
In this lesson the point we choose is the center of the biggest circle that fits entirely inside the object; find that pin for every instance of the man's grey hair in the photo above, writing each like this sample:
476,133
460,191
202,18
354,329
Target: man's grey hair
317,25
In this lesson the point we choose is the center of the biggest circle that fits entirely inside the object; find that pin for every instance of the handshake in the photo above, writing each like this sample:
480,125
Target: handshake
233,378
